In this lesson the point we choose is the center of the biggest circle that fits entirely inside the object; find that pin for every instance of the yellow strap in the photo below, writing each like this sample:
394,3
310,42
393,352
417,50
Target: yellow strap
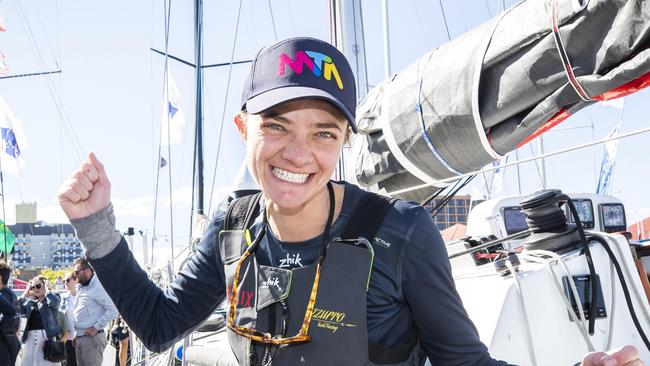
247,237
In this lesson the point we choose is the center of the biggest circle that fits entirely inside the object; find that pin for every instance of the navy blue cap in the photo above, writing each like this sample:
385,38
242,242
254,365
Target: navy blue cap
299,68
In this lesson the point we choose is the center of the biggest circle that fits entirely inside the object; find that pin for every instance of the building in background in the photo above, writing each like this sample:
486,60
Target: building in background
454,212
41,245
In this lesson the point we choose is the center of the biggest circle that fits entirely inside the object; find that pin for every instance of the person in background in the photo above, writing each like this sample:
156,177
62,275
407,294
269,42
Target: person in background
68,329
92,312
10,310
58,284
40,307
120,339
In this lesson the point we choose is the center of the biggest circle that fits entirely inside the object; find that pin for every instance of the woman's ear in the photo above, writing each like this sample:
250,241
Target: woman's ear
240,122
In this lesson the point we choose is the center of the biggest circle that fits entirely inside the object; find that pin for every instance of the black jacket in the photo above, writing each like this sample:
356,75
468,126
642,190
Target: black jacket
411,286
9,308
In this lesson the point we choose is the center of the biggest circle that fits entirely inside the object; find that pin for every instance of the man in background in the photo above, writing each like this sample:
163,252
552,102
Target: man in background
93,311
9,343
68,329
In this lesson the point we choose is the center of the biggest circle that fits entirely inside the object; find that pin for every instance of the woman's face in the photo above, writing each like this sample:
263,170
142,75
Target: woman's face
293,149
38,288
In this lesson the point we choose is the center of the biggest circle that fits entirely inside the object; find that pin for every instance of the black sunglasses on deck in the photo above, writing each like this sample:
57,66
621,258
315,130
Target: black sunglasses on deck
36,286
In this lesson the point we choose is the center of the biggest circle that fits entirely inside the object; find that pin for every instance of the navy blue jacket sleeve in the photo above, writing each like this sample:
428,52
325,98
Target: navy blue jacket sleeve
446,333
8,313
161,317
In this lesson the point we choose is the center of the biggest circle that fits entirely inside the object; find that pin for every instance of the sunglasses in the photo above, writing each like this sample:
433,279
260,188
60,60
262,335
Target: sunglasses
263,337
79,270
69,279
36,286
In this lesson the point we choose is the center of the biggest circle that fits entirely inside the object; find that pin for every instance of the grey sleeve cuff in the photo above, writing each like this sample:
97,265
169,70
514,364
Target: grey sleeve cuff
97,233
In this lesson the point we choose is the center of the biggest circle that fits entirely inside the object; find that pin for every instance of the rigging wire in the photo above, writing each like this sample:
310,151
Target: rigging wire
444,17
450,195
363,41
77,148
40,21
275,33
167,16
488,8
225,103
539,172
416,13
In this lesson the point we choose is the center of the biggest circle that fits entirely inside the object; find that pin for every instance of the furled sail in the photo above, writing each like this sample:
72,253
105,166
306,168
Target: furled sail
480,96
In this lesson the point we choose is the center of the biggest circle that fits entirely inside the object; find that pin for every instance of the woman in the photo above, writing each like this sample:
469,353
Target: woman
297,295
40,308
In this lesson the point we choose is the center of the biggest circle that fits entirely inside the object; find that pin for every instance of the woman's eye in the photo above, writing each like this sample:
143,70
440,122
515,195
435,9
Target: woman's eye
273,126
327,135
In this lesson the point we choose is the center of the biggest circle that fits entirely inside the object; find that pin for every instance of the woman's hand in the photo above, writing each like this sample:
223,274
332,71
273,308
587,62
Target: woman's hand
624,356
87,191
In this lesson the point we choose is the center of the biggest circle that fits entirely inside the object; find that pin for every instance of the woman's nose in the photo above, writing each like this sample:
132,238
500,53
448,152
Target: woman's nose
298,152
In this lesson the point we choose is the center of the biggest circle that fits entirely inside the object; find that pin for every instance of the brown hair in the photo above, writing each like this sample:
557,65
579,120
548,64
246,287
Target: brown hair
82,261
39,278
5,271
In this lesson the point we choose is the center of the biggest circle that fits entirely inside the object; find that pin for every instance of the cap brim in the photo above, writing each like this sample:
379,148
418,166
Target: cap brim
271,98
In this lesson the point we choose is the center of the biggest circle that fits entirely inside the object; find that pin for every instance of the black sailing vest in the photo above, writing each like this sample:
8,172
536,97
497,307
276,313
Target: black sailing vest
274,300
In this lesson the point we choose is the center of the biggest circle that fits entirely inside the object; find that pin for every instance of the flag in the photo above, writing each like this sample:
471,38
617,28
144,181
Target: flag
607,165
6,239
173,119
618,103
4,69
497,176
12,140
163,163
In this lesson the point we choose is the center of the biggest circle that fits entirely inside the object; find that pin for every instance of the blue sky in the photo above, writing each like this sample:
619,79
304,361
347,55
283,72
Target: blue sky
111,92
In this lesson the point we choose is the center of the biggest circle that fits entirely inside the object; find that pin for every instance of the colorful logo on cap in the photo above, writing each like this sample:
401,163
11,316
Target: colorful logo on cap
319,64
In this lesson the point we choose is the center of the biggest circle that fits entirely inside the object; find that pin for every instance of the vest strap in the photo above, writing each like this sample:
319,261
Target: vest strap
241,211
367,217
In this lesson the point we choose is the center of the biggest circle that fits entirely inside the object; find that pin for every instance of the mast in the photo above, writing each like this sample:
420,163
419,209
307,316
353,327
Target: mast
386,32
198,132
346,34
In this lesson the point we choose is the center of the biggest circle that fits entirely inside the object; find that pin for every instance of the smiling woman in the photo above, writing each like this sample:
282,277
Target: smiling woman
306,282
292,151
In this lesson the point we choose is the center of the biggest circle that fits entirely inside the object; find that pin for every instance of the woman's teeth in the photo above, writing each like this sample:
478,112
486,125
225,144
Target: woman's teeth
290,177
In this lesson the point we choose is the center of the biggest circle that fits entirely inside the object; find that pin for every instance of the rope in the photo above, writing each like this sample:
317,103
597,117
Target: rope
529,335
566,62
535,256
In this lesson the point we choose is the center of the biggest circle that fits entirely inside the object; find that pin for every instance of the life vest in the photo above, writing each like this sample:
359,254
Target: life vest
274,300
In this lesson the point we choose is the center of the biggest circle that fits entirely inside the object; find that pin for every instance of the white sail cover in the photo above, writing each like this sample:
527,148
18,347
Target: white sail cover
478,97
